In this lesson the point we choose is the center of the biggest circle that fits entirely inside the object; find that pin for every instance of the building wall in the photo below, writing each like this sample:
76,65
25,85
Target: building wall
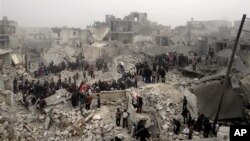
74,37
6,59
37,33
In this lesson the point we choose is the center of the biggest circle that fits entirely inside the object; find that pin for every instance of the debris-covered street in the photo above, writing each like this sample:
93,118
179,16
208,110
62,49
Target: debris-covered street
124,79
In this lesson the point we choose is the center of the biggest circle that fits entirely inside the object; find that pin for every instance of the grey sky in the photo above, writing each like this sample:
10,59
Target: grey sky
79,13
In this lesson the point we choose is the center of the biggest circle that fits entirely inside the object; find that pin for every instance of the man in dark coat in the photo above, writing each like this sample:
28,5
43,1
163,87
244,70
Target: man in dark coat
140,103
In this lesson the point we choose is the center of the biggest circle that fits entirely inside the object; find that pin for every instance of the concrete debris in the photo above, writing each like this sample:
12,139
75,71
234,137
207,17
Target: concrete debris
57,54
192,103
100,44
97,34
60,96
223,133
97,117
140,38
47,123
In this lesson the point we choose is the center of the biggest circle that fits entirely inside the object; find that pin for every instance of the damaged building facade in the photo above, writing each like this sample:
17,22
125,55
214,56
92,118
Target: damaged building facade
10,43
120,30
74,37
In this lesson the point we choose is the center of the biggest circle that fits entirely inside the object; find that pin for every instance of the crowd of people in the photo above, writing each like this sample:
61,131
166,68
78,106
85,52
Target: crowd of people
201,124
82,95
79,64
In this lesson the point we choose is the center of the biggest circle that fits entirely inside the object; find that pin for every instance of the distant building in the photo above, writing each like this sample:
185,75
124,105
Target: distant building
162,35
125,29
212,26
75,37
37,33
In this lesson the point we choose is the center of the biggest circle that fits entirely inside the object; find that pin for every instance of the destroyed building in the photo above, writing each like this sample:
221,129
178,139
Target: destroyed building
135,23
120,30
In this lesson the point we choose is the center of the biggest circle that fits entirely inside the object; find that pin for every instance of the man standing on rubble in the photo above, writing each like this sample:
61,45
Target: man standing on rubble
177,126
74,99
162,73
140,103
184,103
207,127
15,85
125,116
88,101
118,116
185,115
194,62
98,101
199,122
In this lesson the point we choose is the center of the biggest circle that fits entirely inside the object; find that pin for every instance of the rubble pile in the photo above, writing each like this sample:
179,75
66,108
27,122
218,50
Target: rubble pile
165,101
60,121
128,62
57,54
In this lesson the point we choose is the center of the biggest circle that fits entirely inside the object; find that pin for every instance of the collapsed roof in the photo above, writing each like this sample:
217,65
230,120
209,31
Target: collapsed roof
98,33
208,92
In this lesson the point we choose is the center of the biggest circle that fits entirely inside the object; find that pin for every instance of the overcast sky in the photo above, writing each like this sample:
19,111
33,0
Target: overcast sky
80,13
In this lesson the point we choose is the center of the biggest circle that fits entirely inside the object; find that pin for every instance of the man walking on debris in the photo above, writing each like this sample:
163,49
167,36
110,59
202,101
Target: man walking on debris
118,116
125,116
